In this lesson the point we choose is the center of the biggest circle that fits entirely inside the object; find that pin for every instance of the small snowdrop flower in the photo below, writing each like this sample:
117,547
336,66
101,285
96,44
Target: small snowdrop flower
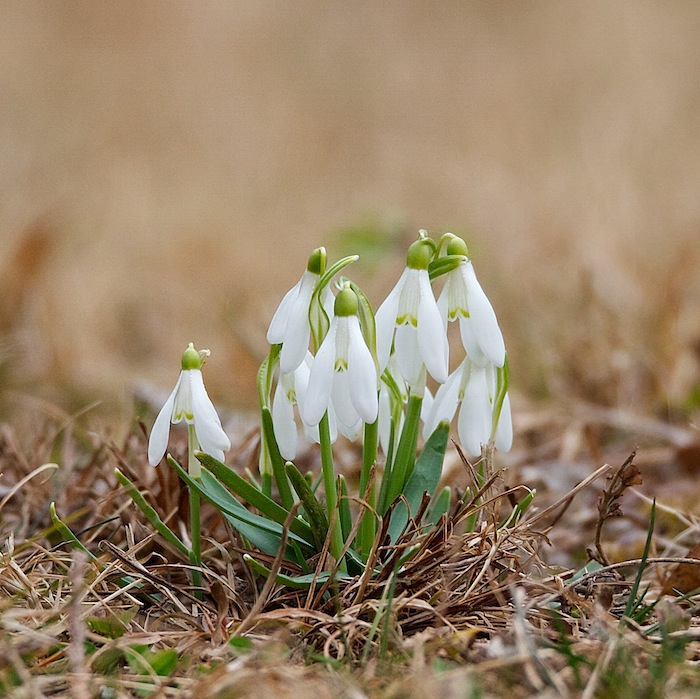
463,298
410,318
189,400
290,323
343,374
472,388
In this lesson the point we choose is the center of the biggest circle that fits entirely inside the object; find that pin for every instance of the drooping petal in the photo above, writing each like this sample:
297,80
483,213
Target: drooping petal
210,435
474,422
362,373
283,423
504,430
470,343
432,340
407,353
278,324
342,402
297,333
315,402
385,319
483,317
158,440
445,402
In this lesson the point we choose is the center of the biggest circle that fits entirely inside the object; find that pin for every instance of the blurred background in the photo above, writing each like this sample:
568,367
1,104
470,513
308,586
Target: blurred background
166,168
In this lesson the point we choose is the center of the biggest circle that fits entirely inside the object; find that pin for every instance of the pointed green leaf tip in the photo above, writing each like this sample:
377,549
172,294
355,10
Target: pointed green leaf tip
317,261
420,253
192,359
457,246
346,303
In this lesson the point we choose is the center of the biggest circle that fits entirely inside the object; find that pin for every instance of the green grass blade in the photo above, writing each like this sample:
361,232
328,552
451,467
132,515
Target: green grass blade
151,515
66,533
632,601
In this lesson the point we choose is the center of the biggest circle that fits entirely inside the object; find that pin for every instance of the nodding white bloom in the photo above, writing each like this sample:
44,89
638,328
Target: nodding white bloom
472,387
291,391
189,400
290,323
462,297
410,317
343,373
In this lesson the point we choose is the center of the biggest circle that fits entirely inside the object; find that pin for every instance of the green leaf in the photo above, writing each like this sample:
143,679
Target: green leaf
440,505
344,508
424,479
254,497
261,532
151,515
314,509
301,582
113,626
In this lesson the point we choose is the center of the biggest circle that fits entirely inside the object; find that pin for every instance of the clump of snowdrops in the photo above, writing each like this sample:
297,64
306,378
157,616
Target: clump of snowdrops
335,366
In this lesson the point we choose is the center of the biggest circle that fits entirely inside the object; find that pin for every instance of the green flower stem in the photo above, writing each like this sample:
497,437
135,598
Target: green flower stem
330,487
388,470
366,533
406,451
195,470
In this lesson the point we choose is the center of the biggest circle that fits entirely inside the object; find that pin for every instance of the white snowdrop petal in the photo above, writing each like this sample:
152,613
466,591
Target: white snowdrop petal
362,373
278,324
298,331
158,439
504,430
210,435
385,320
474,422
469,341
342,402
445,402
315,402
483,317
407,353
283,423
432,340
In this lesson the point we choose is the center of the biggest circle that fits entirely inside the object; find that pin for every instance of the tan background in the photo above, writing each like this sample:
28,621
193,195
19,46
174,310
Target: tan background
165,168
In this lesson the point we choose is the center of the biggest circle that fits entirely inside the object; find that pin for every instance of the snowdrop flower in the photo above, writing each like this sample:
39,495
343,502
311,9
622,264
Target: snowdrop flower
343,373
472,388
290,323
462,297
410,317
189,400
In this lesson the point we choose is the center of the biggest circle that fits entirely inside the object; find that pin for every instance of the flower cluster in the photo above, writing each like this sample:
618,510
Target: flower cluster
339,368
358,356
411,342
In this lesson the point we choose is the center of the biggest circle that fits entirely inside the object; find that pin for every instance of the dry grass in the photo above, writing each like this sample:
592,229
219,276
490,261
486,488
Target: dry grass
477,606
